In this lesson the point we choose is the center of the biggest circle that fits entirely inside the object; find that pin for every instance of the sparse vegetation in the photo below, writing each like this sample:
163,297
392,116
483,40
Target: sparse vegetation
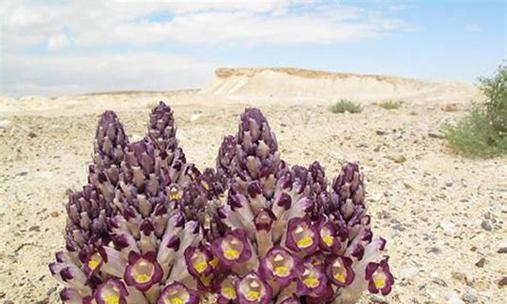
390,104
345,105
483,132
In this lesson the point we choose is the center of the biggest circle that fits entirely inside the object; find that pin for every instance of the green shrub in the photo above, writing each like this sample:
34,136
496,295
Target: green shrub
483,132
390,104
344,105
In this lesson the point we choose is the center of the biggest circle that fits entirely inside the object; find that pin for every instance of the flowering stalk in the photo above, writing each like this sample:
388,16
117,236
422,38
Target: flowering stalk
151,228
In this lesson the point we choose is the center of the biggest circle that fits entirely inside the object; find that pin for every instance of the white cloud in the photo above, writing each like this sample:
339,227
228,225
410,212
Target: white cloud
62,33
100,23
56,74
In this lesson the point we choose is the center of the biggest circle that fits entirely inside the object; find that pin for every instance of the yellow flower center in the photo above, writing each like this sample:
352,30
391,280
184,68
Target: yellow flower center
253,295
112,299
328,240
200,266
229,292
311,281
305,241
174,194
94,261
142,277
282,271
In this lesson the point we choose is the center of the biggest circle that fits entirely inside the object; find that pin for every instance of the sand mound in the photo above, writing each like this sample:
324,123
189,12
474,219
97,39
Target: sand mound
298,85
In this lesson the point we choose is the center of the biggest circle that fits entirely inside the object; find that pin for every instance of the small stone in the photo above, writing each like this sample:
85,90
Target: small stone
51,290
439,281
502,250
481,263
195,116
398,227
486,225
54,214
469,297
502,282
32,134
436,135
380,132
434,249
397,158
378,299
453,298
448,227
5,124
448,184
34,228
459,276
408,272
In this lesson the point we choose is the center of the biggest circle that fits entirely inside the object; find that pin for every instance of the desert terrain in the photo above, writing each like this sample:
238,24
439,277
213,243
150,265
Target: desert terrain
444,215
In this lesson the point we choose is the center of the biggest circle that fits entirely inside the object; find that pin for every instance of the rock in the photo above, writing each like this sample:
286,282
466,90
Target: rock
408,272
195,116
486,225
32,134
440,282
469,297
436,135
5,124
397,158
380,132
412,186
481,263
398,227
502,250
502,282
448,227
378,299
459,276
453,298
54,214
35,228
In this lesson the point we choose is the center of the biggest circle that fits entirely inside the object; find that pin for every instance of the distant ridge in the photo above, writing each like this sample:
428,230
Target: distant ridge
294,85
306,73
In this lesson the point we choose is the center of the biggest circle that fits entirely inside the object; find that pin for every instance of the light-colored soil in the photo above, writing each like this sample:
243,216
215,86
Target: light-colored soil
433,206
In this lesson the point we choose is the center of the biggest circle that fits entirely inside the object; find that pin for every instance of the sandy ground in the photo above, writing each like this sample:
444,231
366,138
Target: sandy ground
444,216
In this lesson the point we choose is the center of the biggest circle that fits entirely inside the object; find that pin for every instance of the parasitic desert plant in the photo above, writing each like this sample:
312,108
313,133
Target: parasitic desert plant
149,227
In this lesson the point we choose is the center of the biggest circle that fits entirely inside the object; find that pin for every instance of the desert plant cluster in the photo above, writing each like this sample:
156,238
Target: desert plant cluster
483,132
150,227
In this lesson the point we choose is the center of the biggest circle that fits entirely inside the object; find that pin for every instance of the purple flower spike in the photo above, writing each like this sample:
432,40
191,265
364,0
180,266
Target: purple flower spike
339,271
302,236
380,278
251,289
233,248
161,128
177,293
142,271
281,266
112,291
225,159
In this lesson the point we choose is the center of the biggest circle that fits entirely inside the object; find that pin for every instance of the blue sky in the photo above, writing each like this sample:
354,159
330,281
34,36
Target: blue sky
69,47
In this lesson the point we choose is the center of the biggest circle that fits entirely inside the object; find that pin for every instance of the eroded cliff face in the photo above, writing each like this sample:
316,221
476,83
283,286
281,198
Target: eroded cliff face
292,85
